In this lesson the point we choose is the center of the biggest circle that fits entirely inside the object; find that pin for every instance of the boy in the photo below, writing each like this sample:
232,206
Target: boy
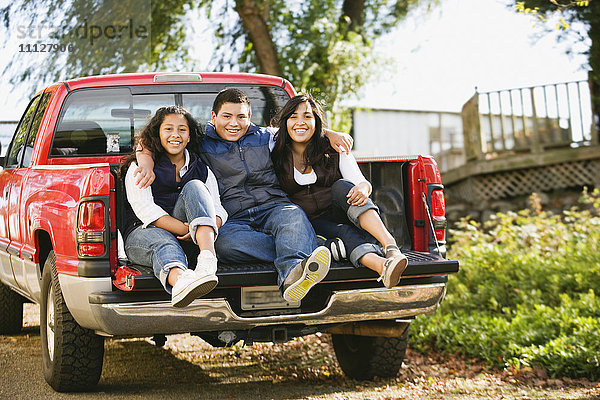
263,223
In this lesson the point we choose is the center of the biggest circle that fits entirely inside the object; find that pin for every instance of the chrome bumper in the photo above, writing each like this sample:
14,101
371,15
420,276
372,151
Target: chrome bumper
145,319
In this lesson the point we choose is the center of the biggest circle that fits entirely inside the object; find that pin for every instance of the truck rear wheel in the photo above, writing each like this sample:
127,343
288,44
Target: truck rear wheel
72,356
364,357
11,311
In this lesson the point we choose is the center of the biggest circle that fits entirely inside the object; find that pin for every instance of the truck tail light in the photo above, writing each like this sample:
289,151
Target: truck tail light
91,228
438,214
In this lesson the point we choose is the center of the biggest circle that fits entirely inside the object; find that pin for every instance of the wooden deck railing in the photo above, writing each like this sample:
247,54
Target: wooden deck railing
529,119
515,129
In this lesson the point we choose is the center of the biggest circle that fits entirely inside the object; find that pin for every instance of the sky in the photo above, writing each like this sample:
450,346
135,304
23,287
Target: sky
442,56
439,58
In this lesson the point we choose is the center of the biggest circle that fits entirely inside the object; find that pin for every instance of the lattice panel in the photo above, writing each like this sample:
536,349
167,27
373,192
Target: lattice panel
525,181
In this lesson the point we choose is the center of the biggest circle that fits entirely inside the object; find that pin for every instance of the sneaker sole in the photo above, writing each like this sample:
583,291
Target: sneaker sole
194,290
315,269
397,270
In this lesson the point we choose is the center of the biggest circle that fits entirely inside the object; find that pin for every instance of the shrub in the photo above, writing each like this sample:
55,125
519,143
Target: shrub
526,292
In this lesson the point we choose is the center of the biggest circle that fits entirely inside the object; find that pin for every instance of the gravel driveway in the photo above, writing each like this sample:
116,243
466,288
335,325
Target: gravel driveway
188,368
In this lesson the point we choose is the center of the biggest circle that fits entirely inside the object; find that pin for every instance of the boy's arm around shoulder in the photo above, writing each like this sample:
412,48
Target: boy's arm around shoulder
144,173
341,142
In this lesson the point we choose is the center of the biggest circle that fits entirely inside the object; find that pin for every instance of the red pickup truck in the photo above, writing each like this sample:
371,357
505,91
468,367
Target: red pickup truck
61,210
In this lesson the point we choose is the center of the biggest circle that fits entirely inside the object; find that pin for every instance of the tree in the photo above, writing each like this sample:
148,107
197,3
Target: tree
73,23
321,46
571,12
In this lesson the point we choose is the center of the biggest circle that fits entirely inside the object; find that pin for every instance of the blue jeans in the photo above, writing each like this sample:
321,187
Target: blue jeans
341,221
160,249
272,232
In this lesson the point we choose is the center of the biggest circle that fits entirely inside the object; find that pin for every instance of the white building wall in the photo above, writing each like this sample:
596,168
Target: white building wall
389,133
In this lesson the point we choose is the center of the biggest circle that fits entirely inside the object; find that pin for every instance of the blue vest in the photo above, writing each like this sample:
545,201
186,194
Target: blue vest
165,188
243,169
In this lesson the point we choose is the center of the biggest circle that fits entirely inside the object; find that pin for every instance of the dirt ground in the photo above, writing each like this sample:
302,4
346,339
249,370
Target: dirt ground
304,368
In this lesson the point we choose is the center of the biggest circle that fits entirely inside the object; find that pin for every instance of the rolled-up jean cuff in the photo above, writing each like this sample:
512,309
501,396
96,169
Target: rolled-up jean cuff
356,211
202,221
164,274
361,250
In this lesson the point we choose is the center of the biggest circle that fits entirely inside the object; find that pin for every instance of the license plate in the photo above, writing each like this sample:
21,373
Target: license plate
264,298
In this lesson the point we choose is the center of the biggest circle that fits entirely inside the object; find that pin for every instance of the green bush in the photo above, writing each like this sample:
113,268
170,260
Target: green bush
526,293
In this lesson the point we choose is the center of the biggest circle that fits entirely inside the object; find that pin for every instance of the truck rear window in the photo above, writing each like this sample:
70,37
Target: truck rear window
105,121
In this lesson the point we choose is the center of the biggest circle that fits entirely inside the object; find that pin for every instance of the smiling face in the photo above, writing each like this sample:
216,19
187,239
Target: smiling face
301,124
174,134
232,120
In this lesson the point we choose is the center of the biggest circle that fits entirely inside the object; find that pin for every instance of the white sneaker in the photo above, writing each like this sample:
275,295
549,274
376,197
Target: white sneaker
306,274
190,286
207,263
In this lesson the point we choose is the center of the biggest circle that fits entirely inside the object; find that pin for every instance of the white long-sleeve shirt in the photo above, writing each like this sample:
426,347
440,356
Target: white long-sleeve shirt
142,200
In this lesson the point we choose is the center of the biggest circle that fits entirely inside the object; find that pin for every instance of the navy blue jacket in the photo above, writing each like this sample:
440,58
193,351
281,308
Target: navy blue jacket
243,169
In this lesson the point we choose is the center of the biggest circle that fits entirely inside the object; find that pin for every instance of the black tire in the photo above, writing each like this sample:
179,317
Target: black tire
364,357
11,311
72,356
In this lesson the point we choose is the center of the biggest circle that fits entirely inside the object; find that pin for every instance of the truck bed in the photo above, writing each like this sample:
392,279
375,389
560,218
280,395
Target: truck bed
423,268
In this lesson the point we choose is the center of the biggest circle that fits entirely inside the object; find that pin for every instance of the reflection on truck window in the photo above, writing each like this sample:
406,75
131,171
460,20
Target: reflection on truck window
15,152
88,126
104,121
33,131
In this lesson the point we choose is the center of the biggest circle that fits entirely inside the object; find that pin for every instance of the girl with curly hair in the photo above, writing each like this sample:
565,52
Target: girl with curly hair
181,206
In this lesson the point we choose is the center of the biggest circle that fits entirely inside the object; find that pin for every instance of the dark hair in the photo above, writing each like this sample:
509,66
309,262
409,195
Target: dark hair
317,146
149,136
229,95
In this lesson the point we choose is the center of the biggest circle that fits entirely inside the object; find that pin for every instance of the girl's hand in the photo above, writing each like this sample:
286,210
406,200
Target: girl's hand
188,236
143,177
358,195
341,142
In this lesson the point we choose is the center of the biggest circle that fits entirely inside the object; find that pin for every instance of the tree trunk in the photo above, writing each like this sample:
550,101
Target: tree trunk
256,26
354,11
